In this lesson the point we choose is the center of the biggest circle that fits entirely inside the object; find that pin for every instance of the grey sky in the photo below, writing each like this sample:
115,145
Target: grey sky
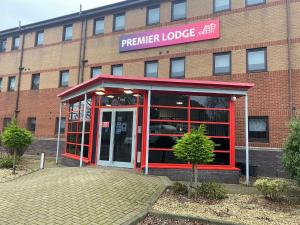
30,11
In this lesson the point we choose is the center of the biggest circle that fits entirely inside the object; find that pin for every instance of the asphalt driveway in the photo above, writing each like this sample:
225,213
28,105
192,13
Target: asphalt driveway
77,196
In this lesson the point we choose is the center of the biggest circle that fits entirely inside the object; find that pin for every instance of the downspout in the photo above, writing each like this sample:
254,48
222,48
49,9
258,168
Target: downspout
290,78
21,68
84,61
80,47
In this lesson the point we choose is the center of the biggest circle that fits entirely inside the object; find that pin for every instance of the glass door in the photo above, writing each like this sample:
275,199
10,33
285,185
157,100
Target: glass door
117,137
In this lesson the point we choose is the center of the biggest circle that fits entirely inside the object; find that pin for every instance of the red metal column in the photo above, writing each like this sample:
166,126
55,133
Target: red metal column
144,130
232,132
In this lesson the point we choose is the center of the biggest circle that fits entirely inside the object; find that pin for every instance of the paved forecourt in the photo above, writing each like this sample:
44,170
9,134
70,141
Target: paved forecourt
77,196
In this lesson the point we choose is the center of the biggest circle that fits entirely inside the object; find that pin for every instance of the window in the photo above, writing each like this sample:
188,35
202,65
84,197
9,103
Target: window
177,68
62,125
255,2
35,81
153,15
222,5
31,124
11,83
98,26
222,63
68,33
179,10
39,38
119,22
15,43
96,71
257,60
258,129
2,45
64,79
6,122
0,84
151,69
117,70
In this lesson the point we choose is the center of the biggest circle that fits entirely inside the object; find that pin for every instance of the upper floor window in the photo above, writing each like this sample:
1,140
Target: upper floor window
11,83
98,26
2,45
64,78
96,71
177,68
117,70
35,81
0,84
68,32
222,63
119,22
255,2
31,124
258,129
6,122
15,43
39,38
257,60
153,15
179,10
222,5
151,69
62,125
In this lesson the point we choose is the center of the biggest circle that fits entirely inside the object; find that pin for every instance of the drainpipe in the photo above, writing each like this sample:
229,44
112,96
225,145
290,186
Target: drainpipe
21,68
83,61
290,78
80,47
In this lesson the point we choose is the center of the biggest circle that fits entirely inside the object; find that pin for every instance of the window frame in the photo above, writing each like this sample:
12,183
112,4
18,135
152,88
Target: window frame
60,78
32,83
114,21
260,140
170,68
145,67
8,84
6,121
214,63
265,59
64,32
30,119
94,25
147,14
1,83
2,40
37,36
92,68
117,65
250,5
13,47
172,9
224,10
56,125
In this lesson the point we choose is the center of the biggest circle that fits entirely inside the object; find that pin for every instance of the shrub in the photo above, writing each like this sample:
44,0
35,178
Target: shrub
291,151
179,188
272,189
211,190
6,161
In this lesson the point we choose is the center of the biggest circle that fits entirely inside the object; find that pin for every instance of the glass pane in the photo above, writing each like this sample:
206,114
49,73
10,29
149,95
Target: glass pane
209,102
152,69
123,137
40,38
221,5
221,159
96,71
254,2
162,141
68,33
214,129
117,70
163,157
12,83
71,149
256,60
168,128
16,42
118,100
154,15
222,63
64,79
177,68
179,11
99,26
105,135
169,114
209,115
221,143
119,22
169,100
2,45
257,124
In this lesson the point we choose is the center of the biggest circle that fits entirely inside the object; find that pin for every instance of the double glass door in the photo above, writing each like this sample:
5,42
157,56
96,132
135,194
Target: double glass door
117,137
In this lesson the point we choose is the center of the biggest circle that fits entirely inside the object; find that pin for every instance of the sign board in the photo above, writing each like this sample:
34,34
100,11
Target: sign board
200,31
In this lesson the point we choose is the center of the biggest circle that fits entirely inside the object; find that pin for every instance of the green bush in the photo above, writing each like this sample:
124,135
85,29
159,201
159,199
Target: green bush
6,161
179,188
211,190
291,151
272,189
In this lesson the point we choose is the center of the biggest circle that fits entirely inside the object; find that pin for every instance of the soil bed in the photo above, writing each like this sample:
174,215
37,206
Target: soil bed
152,220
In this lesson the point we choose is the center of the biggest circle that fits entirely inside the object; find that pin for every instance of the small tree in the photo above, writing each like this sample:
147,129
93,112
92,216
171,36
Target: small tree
16,140
195,148
291,152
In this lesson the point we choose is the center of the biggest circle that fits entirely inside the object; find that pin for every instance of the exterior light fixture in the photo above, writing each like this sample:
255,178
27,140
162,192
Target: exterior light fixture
100,93
110,96
129,92
179,103
233,98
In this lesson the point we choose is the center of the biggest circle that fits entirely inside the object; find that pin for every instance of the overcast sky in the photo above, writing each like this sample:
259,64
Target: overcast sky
30,11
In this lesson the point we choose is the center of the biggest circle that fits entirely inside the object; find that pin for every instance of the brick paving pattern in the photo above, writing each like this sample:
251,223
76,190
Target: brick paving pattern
77,196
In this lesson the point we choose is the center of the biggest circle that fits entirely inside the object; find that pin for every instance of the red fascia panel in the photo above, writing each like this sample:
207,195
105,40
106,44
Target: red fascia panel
189,166
159,82
71,156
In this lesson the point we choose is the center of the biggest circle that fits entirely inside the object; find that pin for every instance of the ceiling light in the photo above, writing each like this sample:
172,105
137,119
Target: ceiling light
108,105
100,93
179,103
110,96
136,95
128,92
